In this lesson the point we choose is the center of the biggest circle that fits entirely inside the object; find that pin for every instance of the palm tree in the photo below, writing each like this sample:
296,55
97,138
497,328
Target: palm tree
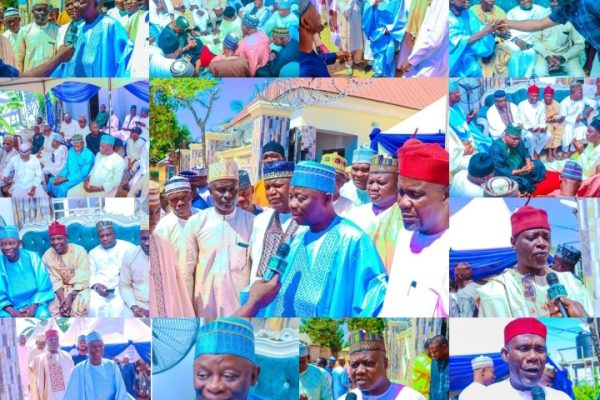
12,104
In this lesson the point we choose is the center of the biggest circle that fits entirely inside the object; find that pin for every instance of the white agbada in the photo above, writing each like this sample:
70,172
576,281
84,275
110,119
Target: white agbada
69,129
362,216
49,384
57,161
343,206
47,148
571,109
27,174
496,124
462,187
4,160
107,172
522,62
396,391
351,192
419,279
137,150
134,279
350,23
105,267
116,14
170,227
504,390
213,259
534,116
475,391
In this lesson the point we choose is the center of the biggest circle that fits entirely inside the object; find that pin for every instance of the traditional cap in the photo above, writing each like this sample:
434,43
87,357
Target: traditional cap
303,6
549,370
177,184
595,124
285,4
223,170
244,179
36,2
365,341
280,32
167,41
568,253
482,362
273,146
182,23
40,338
93,335
133,106
513,130
533,89
81,338
77,138
250,21
136,129
231,42
548,90
25,148
500,186
51,333
453,87
188,174
572,170
425,162
229,12
331,358
524,326
278,169
201,171
104,224
107,139
11,12
384,164
481,165
144,223
153,194
303,350
58,138
499,94
9,231
528,217
362,155
230,335
575,85
57,229
314,175
336,161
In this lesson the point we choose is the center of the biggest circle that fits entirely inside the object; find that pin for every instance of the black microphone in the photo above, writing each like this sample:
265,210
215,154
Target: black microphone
351,396
71,35
537,393
277,262
555,291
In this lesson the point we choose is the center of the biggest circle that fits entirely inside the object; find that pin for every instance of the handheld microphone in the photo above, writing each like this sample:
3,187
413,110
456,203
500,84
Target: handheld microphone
71,35
277,262
351,396
537,393
555,291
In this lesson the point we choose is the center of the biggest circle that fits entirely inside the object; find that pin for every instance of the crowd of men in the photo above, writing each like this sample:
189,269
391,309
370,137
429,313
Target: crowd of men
111,280
380,35
50,373
224,38
392,213
524,41
79,159
81,40
540,146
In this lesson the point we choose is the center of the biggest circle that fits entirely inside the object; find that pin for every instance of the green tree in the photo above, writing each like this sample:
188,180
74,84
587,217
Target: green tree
167,135
12,104
63,325
324,331
371,325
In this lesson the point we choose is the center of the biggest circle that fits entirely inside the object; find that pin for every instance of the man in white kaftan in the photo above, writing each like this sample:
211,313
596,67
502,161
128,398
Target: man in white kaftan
58,158
576,109
532,114
53,369
26,171
134,279
36,41
501,114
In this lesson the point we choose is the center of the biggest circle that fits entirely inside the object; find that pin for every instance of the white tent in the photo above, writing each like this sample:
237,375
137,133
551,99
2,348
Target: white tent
41,330
431,119
489,337
113,330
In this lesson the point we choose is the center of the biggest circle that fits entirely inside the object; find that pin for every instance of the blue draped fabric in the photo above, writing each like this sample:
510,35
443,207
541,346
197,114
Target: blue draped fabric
113,350
75,92
484,263
140,89
461,374
49,110
393,141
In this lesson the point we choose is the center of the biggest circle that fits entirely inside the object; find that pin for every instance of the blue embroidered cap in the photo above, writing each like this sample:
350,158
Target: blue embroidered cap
93,335
9,231
314,175
362,155
228,335
250,21
244,179
107,139
278,169
231,42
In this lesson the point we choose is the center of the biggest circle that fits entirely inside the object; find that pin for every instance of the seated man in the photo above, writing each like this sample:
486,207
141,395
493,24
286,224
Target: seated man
58,158
68,127
464,124
512,160
570,181
501,114
287,53
80,161
532,114
92,139
469,183
255,46
576,109
9,150
133,280
137,156
26,173
523,290
25,286
229,64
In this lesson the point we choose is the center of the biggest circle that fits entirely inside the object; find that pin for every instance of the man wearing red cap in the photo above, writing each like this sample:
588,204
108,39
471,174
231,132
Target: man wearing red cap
52,369
525,353
69,269
533,116
523,291
554,123
423,197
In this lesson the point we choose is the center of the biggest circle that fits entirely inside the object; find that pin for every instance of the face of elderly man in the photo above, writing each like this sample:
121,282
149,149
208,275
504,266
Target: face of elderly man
181,203
368,370
308,205
107,238
560,265
532,247
488,376
96,351
106,149
278,194
382,189
422,204
8,144
526,357
40,343
59,243
224,193
223,377
10,248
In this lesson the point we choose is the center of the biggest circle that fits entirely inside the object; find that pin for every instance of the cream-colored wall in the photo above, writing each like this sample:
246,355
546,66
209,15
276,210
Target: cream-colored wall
242,155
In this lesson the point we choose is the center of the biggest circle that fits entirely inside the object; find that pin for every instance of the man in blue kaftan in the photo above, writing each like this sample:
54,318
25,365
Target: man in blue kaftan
469,39
80,161
383,23
464,126
25,286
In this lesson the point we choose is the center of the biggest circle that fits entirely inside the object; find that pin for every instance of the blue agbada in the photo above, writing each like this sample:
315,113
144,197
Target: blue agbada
24,283
102,50
76,170
313,65
384,26
102,382
463,56
467,131
345,278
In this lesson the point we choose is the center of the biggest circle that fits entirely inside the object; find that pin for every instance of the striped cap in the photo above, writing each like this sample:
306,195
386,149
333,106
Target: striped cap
280,32
177,184
250,21
231,42
278,169
153,194
77,138
383,164
314,175
230,335
336,161
572,170
104,224
11,12
58,138
365,341
244,179
304,6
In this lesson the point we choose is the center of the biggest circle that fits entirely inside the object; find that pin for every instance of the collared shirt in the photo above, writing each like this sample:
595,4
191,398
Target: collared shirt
439,380
584,15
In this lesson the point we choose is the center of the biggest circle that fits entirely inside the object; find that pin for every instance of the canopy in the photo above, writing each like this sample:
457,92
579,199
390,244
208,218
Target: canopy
43,85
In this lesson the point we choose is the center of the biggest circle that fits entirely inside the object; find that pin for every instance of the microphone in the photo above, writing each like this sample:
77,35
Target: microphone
537,393
555,291
71,35
277,262
351,396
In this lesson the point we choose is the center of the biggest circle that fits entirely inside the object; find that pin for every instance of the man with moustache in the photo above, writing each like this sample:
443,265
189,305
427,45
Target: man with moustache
69,270
525,353
356,189
53,370
133,280
80,161
271,151
215,245
36,41
532,114
565,258
523,291
368,365
245,196
12,20
483,376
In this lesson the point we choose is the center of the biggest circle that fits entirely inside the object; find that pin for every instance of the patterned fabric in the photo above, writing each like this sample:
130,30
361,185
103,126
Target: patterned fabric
57,379
364,341
229,335
273,237
156,276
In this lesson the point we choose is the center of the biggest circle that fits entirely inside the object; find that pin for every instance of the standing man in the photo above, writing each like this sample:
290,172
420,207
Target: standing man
440,382
314,382
466,292
36,41
421,373
12,20
40,348
356,190
255,46
341,380
483,376
23,354
133,280
82,350
128,374
246,191
342,205
565,258
53,369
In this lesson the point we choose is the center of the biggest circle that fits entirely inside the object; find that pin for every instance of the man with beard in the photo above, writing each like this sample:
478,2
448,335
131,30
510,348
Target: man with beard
26,172
133,280
215,245
96,377
565,258
525,352
105,266
53,370
533,116
245,196
69,270
368,365
314,381
82,350
36,41
25,287
342,205
523,290
271,151
423,199
356,190
80,161
9,150
483,376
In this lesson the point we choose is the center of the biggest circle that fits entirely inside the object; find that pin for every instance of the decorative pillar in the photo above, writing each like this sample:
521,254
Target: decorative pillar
10,377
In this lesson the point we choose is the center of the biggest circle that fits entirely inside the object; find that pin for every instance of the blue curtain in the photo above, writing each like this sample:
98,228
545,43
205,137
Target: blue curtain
49,110
484,263
461,374
112,350
75,92
393,141
140,89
